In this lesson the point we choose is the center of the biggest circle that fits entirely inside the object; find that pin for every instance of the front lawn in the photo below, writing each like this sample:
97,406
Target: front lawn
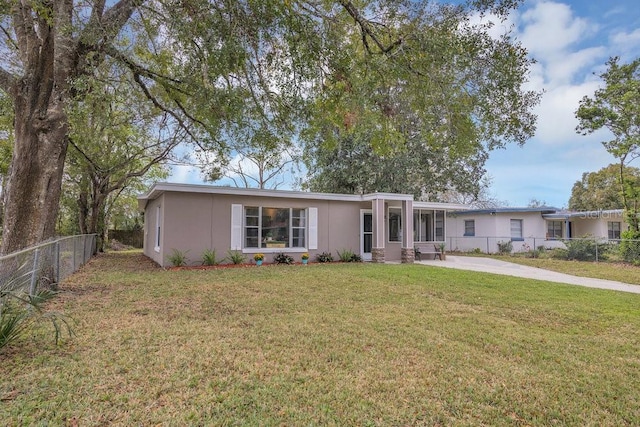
340,344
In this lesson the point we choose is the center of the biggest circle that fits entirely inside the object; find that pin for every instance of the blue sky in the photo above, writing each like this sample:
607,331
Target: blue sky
571,40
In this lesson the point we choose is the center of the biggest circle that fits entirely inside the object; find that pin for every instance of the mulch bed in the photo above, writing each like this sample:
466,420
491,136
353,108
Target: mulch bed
225,266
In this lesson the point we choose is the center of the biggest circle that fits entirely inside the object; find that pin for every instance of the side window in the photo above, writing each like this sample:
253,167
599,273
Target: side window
516,229
158,228
614,229
469,227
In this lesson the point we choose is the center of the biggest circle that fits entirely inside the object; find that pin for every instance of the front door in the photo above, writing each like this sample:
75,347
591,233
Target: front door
366,234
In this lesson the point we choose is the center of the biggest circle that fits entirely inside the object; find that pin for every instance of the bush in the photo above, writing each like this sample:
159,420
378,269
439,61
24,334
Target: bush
505,248
21,312
178,258
558,253
283,258
209,257
630,246
583,249
236,257
324,257
349,256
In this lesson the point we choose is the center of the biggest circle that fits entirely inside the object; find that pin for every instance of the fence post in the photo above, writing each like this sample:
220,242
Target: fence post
487,245
56,251
73,265
34,273
596,243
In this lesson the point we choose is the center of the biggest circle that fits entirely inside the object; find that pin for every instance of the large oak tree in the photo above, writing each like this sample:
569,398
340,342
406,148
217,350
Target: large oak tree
196,60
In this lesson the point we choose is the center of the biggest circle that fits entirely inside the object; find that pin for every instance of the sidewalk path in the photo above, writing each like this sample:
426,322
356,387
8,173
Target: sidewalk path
489,265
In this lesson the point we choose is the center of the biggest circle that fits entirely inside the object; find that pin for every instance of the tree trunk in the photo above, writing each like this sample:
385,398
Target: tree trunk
35,179
97,221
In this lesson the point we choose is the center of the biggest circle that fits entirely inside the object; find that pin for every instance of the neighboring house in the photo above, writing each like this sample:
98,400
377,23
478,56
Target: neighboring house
528,228
378,226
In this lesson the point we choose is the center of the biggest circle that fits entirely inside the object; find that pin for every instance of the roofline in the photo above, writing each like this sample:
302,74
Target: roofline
158,188
543,210
584,214
439,205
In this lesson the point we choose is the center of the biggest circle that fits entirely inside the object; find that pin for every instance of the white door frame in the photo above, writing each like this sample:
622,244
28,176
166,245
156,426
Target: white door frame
363,212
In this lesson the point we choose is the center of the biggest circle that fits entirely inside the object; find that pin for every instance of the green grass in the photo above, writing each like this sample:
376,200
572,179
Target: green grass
339,344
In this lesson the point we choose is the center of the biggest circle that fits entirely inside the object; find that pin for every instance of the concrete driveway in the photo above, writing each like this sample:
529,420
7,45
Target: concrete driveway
490,265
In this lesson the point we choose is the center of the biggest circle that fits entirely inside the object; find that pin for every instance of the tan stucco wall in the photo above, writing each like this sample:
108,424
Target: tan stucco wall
194,222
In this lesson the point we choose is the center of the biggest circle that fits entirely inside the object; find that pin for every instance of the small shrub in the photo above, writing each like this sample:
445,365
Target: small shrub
505,248
209,257
534,253
236,257
21,312
324,257
178,258
348,255
283,258
583,249
558,253
476,251
630,246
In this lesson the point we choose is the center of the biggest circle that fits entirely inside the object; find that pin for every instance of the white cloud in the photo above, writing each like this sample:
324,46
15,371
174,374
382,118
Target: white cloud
550,29
556,112
626,42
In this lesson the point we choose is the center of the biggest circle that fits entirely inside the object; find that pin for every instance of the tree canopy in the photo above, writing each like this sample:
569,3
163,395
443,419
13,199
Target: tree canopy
616,107
421,116
338,66
600,190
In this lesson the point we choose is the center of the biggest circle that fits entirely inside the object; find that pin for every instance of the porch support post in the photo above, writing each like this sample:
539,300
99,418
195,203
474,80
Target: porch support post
377,251
408,254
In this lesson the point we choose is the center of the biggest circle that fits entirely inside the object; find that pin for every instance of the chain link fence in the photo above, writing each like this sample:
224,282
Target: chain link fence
45,265
583,248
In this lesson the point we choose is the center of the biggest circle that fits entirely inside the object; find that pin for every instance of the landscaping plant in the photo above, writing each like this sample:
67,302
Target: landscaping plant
209,257
236,257
324,257
283,258
178,258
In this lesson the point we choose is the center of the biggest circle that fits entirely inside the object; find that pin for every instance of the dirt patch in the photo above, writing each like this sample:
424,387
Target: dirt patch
133,261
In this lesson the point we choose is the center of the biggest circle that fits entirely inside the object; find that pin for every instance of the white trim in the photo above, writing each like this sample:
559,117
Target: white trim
312,242
237,219
273,250
158,230
440,206
363,212
159,188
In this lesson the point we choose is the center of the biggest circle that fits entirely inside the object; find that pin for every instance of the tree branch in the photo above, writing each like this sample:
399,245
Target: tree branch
365,28
25,30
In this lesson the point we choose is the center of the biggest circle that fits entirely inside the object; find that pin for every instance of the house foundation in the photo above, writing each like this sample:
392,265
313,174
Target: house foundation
407,256
377,255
